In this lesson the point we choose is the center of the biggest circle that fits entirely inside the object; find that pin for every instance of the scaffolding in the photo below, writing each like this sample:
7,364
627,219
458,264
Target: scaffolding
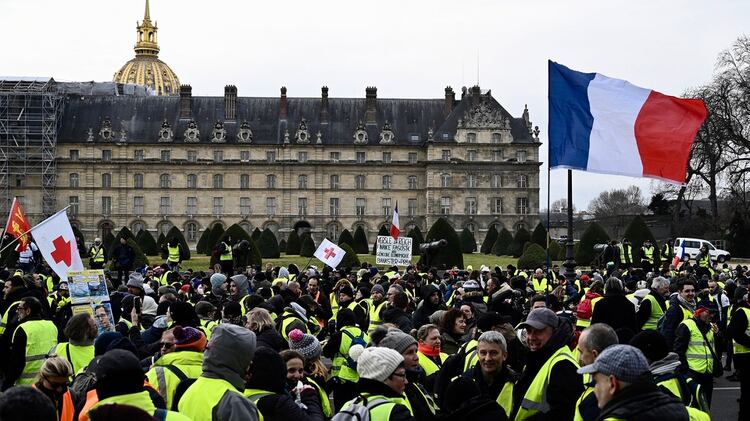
30,112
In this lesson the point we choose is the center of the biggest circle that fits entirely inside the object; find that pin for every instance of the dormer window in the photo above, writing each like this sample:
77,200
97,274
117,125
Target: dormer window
471,138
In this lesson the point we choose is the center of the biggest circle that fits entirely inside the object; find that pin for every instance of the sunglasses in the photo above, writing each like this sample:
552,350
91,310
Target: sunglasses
166,344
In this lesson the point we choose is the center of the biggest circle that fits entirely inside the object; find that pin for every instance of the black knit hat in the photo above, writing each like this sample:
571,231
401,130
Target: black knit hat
652,344
119,372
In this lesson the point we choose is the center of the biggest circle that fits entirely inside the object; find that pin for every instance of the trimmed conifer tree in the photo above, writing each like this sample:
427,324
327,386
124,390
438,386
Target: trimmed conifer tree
350,260
449,255
160,240
638,232
293,243
417,238
516,247
346,238
81,241
175,232
361,245
381,232
205,238
593,235
539,235
107,240
256,234
282,245
489,240
147,243
534,257
236,232
267,244
308,245
468,243
217,232
504,238
554,250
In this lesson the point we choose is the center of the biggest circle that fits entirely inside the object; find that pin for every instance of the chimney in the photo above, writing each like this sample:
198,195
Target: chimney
476,95
324,104
186,102
371,95
283,107
450,99
230,103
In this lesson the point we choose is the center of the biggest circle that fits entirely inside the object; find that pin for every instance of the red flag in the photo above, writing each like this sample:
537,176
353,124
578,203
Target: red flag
18,226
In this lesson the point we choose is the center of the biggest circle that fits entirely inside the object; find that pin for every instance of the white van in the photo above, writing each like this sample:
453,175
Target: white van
692,248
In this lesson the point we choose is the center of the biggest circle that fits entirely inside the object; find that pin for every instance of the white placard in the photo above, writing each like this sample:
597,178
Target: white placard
393,251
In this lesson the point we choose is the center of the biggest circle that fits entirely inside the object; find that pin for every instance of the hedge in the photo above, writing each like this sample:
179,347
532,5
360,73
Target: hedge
504,239
140,258
202,242
293,243
346,238
267,244
360,241
468,242
417,238
450,255
147,243
594,234
534,256
350,260
489,240
516,247
539,235
308,246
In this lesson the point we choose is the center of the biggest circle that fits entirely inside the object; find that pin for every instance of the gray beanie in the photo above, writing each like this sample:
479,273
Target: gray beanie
397,341
135,280
377,288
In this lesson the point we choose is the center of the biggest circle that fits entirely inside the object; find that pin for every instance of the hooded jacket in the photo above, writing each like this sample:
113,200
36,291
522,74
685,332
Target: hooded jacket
615,310
422,314
242,287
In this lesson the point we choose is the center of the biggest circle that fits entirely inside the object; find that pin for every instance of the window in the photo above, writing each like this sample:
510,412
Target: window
73,209
471,155
138,205
445,180
471,205
445,205
164,227
137,227
271,181
412,157
244,181
245,156
471,180
412,182
412,209
192,156
192,181
218,156
73,155
165,181
302,157
138,155
333,232
334,182
302,206
386,157
521,156
446,154
522,181
359,181
271,206
106,155
359,206
244,206
166,156
218,181
497,155
165,205
386,182
192,231
106,180
138,181
302,182
192,205
73,179
522,205
497,180
218,206
335,156
496,137
270,157
333,206
361,157
496,205
471,137
387,206
106,205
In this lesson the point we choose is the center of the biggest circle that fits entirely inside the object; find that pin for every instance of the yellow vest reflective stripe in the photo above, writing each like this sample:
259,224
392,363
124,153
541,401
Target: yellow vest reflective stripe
383,412
505,398
656,313
208,327
697,415
376,318
334,299
325,403
41,336
201,397
535,398
6,316
626,257
698,354
227,254
586,393
648,254
97,254
164,373
738,348
287,318
343,367
254,395
471,358
174,254
429,366
164,279
539,286
705,261
78,356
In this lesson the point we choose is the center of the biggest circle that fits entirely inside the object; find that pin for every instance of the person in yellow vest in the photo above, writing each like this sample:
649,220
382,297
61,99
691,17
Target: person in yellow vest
654,304
667,250
377,306
53,381
539,283
381,385
694,343
585,308
173,250
81,332
293,317
119,380
97,254
739,330
431,359
705,265
226,258
184,362
647,256
626,254
624,390
344,369
593,340
31,341
297,382
681,307
217,395
549,383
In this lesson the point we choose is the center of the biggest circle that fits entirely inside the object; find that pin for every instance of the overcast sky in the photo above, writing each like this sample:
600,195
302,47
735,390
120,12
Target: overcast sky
408,49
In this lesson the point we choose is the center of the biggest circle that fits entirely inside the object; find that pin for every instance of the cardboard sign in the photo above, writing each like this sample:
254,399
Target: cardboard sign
393,251
89,294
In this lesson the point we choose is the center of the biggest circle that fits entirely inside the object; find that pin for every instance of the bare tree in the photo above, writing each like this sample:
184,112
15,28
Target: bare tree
615,202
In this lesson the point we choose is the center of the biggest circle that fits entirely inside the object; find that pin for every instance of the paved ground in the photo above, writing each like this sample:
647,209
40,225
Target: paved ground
724,405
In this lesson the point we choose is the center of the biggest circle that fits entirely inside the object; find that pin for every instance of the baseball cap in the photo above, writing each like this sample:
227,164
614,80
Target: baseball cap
540,318
625,362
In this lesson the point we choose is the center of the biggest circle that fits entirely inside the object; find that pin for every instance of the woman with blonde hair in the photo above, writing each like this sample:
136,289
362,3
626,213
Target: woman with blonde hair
52,380
259,320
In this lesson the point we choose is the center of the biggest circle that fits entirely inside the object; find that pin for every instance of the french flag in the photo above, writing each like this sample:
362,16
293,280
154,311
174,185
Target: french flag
395,228
610,126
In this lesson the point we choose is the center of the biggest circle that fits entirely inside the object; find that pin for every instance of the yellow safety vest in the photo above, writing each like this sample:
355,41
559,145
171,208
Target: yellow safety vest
381,412
738,348
170,369
505,398
470,349
586,393
535,398
78,356
287,318
540,287
164,279
41,336
201,397
376,318
254,395
698,354
626,257
656,313
227,254
97,254
143,401
429,366
648,254
343,366
6,316
174,254
325,403
208,327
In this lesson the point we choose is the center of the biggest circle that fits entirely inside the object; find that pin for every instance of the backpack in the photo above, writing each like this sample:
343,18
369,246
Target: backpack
584,309
356,340
356,411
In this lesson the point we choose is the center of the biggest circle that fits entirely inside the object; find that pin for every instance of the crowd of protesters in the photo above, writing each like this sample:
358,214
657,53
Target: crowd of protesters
280,343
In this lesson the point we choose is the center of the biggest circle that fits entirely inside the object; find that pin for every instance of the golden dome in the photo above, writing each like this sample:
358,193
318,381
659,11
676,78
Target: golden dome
146,68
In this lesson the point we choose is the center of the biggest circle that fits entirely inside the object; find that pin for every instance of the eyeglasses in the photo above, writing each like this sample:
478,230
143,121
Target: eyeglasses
166,344
20,308
402,375
57,385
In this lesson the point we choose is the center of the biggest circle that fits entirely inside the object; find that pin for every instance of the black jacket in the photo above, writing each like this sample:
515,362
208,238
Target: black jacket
418,395
270,338
399,318
374,387
644,402
124,256
421,315
615,310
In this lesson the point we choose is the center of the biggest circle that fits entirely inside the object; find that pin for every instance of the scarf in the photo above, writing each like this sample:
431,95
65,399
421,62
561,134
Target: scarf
690,305
430,351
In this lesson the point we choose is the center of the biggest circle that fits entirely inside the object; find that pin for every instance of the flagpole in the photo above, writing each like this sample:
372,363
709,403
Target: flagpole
549,260
7,221
570,263
32,228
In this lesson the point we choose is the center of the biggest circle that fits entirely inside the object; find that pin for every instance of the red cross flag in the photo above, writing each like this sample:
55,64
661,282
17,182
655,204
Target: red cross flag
58,246
329,253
